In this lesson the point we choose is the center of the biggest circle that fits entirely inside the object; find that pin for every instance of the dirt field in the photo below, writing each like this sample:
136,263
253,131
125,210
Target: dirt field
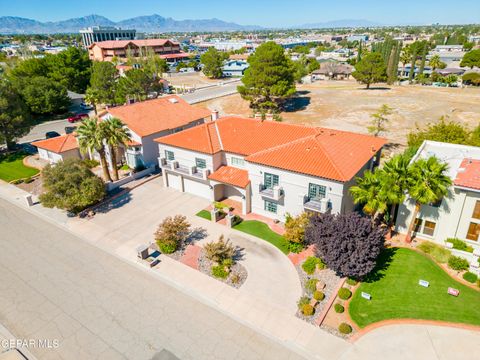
196,79
345,105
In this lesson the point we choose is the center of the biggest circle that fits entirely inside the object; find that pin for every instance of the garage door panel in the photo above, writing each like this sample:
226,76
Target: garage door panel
197,188
174,181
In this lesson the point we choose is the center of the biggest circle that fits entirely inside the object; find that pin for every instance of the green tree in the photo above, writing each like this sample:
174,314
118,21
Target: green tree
136,84
45,96
91,137
71,185
103,83
380,120
14,116
442,131
428,183
435,62
313,65
212,62
116,133
370,191
471,59
269,80
370,70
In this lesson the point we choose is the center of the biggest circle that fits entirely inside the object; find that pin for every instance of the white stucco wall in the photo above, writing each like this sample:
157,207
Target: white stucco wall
54,157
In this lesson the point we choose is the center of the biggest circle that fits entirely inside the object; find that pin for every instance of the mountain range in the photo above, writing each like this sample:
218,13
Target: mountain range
150,23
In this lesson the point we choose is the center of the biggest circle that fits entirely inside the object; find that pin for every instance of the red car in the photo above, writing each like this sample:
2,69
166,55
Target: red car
77,117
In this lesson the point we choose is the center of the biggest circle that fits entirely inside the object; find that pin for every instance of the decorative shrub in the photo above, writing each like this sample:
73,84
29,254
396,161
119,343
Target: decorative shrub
308,310
460,245
295,228
167,247
352,282
235,278
318,295
311,285
219,251
304,300
344,293
439,253
172,233
344,328
470,277
295,247
458,263
311,263
219,272
339,308
227,263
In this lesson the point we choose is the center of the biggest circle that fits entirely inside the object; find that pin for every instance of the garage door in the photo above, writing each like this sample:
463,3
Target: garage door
174,182
197,188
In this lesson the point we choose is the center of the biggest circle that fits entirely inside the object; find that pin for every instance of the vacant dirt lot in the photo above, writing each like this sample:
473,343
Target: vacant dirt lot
345,105
195,79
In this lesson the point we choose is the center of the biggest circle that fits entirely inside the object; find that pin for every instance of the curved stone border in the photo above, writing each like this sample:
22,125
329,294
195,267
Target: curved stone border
24,161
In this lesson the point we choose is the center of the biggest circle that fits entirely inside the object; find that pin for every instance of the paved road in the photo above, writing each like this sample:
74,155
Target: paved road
56,286
38,131
211,92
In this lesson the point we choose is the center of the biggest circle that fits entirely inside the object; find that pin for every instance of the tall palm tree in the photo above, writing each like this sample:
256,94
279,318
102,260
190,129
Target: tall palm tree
427,184
396,180
90,138
370,191
116,133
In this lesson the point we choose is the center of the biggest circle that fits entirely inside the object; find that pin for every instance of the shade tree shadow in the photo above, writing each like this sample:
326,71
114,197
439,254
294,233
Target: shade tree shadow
296,103
383,262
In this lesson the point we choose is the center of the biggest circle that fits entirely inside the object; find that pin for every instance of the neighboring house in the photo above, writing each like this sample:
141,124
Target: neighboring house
151,119
332,70
271,168
58,148
458,214
234,68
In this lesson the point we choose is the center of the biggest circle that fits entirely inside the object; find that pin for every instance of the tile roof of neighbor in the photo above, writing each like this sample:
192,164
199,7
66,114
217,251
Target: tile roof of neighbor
116,44
58,144
152,116
327,153
231,175
468,174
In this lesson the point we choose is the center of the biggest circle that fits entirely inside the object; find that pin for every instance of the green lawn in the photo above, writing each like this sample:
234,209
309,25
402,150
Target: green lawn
396,294
204,214
262,231
12,168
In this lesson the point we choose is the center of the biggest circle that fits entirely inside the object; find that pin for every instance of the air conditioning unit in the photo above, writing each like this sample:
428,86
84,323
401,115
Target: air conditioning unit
173,100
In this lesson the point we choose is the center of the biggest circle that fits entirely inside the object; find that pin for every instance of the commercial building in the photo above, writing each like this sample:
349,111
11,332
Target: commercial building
104,33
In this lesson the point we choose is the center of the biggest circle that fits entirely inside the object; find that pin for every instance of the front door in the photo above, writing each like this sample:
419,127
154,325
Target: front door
270,180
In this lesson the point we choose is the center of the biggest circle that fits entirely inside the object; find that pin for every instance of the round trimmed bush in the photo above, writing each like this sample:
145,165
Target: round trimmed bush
308,310
339,308
344,328
219,272
304,300
344,293
352,282
312,263
311,285
318,295
167,248
458,263
470,277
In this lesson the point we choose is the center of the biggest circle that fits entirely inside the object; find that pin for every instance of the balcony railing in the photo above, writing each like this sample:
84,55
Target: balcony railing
316,204
193,171
275,193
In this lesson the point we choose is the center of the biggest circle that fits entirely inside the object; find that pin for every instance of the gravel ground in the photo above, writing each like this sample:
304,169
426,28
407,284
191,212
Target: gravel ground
205,266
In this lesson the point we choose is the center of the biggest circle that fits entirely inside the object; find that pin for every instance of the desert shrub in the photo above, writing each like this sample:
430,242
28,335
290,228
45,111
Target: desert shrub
311,285
219,251
91,163
219,271
344,293
318,295
235,278
460,245
439,253
470,277
344,328
339,308
311,263
308,310
227,262
171,233
304,300
457,263
351,282
295,247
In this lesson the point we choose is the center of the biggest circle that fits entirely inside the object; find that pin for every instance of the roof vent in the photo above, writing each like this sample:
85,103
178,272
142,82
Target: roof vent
173,100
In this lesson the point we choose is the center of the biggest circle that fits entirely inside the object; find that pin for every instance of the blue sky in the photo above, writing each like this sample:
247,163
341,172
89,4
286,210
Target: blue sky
257,12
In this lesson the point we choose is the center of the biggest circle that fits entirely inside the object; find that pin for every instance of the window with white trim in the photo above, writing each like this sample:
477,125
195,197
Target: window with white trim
169,155
200,163
270,206
236,161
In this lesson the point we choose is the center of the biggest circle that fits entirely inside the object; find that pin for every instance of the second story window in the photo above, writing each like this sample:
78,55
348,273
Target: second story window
236,161
476,210
200,163
169,155
270,180
316,192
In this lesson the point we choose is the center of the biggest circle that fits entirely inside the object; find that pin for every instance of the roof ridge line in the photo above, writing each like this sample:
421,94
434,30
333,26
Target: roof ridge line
328,155
281,145
218,136
210,145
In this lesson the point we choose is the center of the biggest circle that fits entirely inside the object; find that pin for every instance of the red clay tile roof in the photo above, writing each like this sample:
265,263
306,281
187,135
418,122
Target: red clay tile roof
231,175
152,116
58,144
332,154
119,44
468,175
178,55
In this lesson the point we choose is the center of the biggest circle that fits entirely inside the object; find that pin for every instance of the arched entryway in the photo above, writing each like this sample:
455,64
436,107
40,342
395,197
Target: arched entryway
233,196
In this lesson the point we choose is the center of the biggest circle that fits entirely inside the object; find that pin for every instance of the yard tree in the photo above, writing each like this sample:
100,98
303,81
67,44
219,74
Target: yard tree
435,62
14,115
348,244
380,120
172,233
91,136
103,82
212,62
428,183
269,80
371,192
116,134
471,59
370,70
71,185
295,227
45,96
136,84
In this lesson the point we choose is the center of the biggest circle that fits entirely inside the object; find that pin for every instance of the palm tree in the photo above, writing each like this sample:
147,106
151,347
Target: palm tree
370,191
435,62
90,138
116,133
396,180
91,98
427,184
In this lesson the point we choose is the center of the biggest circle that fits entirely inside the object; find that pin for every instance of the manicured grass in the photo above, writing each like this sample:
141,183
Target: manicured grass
12,168
396,294
262,231
204,214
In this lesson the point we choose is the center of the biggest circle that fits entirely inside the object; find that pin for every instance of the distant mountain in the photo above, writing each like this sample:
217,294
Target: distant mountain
345,23
151,23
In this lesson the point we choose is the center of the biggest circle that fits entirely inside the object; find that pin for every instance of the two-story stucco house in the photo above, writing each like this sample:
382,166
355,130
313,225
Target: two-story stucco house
271,168
457,215
151,119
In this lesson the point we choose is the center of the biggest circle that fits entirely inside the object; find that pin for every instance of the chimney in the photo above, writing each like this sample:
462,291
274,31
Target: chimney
215,115
269,116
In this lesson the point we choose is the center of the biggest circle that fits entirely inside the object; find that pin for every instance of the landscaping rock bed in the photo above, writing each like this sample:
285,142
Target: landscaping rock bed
329,278
236,278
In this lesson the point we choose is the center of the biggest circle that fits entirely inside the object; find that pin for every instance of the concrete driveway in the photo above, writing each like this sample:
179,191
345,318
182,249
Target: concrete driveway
132,219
